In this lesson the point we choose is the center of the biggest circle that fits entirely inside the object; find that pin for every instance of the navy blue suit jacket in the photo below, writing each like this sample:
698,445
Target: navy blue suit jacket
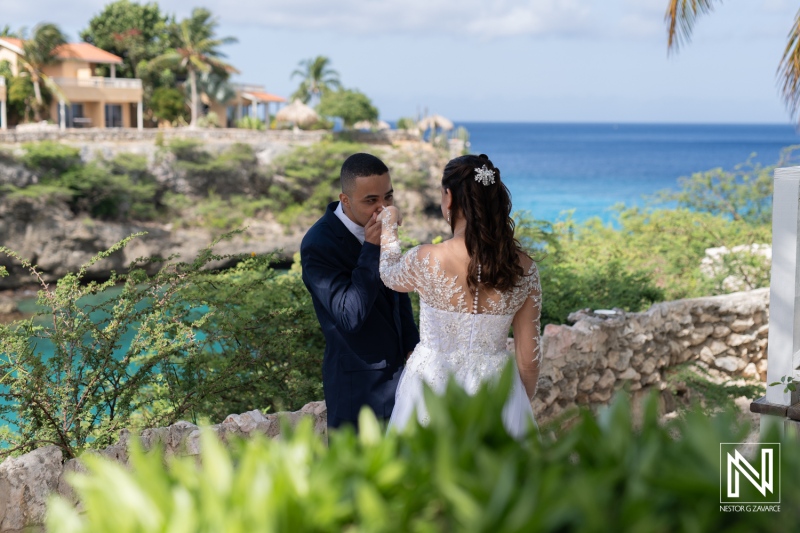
368,328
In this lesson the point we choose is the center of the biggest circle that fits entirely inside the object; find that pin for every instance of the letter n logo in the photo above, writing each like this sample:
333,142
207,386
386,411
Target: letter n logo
749,472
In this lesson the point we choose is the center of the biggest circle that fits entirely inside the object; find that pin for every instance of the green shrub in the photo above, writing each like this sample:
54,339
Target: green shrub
350,105
107,196
188,150
406,123
169,104
461,473
181,344
310,178
227,214
251,123
209,120
50,158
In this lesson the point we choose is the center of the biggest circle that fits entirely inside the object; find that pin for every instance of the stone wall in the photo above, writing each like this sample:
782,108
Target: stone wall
27,481
122,135
585,363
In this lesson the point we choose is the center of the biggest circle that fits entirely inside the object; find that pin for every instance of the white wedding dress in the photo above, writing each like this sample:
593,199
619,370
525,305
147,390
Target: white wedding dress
463,337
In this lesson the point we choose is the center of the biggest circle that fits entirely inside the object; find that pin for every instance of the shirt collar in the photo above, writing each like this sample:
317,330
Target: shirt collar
355,229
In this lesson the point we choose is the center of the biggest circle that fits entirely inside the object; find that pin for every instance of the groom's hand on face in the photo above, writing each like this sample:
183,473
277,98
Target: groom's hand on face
372,230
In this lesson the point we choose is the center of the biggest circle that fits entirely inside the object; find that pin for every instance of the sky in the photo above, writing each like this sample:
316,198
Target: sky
500,60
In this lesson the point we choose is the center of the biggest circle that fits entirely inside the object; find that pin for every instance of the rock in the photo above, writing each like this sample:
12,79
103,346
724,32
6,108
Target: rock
588,382
606,381
7,306
741,325
698,335
706,355
619,360
750,371
569,389
631,374
737,340
648,366
601,396
25,484
729,363
717,347
721,331
15,174
761,367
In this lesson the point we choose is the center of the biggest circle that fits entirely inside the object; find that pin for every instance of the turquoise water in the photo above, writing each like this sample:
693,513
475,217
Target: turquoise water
552,168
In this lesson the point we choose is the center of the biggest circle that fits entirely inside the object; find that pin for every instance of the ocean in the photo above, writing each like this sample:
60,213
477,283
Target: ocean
551,168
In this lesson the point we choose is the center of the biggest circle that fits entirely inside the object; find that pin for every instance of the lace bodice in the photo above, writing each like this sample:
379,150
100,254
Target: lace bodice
449,324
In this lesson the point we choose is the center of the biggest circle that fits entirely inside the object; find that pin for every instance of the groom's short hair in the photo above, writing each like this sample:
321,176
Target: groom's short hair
360,165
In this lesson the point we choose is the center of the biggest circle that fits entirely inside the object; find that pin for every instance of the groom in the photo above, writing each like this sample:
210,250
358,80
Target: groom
369,329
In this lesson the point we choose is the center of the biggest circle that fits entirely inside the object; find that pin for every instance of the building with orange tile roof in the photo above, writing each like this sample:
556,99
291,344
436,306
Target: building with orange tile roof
87,100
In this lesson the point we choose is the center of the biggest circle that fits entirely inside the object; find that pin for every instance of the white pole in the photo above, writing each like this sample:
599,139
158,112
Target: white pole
784,292
63,112
139,116
3,117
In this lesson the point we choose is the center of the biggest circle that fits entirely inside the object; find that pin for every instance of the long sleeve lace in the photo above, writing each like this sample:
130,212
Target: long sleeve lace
397,270
527,337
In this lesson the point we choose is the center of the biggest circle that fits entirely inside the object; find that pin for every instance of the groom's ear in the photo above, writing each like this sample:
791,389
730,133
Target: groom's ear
344,199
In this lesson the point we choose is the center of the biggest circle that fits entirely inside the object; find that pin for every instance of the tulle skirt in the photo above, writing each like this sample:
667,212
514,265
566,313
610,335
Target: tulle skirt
425,365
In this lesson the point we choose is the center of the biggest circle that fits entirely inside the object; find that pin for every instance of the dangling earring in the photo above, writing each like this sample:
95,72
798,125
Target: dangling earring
448,216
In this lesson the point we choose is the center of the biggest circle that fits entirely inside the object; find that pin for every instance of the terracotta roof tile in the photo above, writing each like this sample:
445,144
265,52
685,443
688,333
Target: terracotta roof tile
12,41
265,97
86,52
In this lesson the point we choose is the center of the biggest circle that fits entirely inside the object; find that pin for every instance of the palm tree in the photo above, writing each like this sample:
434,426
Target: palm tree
196,51
317,78
681,16
38,52
6,31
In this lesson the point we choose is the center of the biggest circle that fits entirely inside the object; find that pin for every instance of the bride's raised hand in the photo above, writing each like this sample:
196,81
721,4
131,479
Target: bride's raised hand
391,214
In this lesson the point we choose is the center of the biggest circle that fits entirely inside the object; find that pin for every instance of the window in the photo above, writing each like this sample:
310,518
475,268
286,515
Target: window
113,116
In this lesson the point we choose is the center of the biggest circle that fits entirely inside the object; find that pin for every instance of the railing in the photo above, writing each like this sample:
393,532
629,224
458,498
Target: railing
101,83
246,88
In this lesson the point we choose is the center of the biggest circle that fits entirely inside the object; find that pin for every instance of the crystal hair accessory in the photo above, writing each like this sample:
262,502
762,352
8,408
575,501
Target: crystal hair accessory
484,175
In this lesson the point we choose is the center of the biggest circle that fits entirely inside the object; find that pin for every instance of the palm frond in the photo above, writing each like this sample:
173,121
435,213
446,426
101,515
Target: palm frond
681,16
54,88
789,69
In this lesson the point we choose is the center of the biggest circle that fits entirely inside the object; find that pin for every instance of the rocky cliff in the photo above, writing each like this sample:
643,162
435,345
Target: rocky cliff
57,239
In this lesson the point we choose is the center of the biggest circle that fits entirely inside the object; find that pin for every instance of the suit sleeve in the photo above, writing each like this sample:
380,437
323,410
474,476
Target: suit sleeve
410,331
347,297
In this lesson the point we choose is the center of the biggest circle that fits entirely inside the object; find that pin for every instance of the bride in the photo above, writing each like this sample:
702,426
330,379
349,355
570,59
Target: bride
471,287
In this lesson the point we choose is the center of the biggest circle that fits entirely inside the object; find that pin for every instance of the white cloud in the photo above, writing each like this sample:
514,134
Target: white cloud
477,18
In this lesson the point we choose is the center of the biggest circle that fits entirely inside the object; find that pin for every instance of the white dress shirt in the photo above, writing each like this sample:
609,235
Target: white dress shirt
355,229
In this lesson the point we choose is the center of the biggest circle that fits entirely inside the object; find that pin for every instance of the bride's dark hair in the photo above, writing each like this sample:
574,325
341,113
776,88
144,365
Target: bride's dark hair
490,229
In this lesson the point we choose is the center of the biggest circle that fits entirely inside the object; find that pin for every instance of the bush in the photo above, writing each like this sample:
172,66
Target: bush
251,123
348,104
235,170
209,120
181,344
308,178
169,104
51,159
406,123
461,473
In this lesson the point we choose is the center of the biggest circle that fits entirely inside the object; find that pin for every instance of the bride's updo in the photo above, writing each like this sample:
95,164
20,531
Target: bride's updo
485,202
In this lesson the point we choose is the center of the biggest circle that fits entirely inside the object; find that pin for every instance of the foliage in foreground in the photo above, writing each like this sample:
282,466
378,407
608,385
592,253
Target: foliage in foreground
183,343
461,473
